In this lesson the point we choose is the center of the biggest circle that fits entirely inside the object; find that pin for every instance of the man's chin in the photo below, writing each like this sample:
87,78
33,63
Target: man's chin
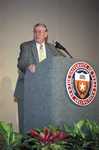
37,40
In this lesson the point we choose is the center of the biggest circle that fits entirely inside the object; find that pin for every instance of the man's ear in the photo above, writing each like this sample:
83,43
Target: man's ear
46,34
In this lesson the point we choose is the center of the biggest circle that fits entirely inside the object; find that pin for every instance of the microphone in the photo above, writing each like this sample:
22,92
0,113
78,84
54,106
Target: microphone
58,45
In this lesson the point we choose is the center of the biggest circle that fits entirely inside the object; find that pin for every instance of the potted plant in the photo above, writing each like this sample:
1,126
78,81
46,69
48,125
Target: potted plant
48,139
84,141
83,136
67,139
10,140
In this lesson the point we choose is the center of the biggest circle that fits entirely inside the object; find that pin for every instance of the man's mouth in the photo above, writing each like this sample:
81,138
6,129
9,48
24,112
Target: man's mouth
37,37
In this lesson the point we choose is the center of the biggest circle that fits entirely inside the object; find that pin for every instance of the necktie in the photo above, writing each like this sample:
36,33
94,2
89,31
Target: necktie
42,57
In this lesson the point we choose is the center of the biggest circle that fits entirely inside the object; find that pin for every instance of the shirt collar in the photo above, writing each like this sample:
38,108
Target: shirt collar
40,44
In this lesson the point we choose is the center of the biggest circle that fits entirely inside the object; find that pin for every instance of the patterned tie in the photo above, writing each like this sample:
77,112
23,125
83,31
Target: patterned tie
42,57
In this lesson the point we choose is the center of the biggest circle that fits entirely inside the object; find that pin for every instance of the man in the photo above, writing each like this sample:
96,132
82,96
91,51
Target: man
29,57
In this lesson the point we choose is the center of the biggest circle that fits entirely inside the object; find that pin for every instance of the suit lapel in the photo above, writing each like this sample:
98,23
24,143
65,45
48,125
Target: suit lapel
48,52
34,50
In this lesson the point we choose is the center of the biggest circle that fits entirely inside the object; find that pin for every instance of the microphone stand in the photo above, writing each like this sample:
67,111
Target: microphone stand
61,47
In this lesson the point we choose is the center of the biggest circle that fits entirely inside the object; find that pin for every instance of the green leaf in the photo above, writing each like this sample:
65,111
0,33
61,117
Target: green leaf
17,135
5,131
15,142
23,144
95,129
16,148
12,135
66,127
81,123
2,143
45,148
39,130
75,129
55,130
55,146
9,148
50,127
39,147
78,131
89,125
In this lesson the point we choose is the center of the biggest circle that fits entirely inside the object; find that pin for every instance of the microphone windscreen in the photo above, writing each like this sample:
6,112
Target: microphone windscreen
54,41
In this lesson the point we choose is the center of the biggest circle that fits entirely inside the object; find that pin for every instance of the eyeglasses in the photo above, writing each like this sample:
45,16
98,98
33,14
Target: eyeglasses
40,32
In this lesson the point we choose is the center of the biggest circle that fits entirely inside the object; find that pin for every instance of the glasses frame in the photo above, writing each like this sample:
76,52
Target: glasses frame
39,32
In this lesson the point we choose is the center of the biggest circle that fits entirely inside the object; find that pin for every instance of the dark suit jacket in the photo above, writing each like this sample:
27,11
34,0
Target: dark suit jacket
28,55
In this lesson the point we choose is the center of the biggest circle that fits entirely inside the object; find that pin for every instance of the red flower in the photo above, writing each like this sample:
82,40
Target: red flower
39,137
47,137
63,136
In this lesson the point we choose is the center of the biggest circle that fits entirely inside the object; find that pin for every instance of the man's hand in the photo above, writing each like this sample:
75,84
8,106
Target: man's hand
31,68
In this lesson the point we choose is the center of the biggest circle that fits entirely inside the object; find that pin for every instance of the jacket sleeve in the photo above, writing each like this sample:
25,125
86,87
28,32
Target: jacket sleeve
23,58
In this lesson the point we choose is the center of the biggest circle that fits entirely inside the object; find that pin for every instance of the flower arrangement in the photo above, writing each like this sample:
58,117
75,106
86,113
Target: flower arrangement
67,139
53,138
49,138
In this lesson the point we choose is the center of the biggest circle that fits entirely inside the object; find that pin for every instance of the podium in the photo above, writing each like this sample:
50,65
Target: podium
46,100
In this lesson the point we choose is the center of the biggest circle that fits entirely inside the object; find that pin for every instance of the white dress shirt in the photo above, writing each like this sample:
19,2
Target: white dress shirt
38,49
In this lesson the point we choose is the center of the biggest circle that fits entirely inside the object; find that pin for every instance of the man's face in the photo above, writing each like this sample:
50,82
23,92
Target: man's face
40,34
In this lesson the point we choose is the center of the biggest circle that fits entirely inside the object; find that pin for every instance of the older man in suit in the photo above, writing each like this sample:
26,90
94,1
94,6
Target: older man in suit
29,57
